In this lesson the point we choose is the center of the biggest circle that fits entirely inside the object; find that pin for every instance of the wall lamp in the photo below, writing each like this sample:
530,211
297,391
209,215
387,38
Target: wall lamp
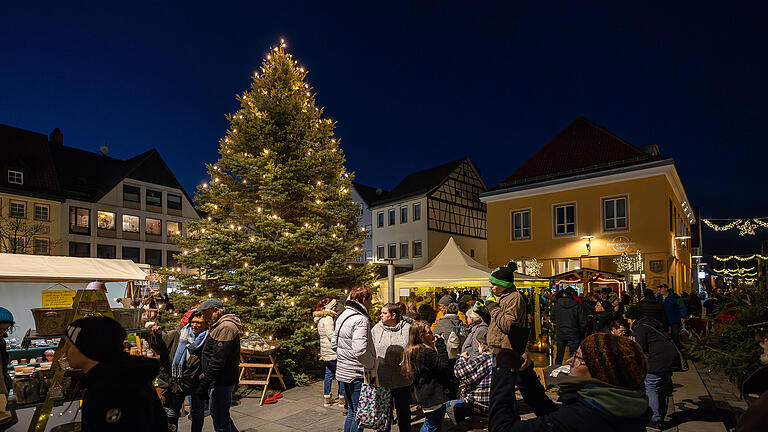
588,238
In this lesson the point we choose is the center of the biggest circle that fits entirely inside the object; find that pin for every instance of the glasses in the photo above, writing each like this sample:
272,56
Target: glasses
579,358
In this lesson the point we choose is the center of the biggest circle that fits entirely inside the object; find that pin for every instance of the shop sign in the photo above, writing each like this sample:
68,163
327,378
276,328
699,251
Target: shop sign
656,266
58,298
620,243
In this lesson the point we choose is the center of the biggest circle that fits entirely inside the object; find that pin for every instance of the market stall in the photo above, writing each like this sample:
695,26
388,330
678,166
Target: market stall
588,279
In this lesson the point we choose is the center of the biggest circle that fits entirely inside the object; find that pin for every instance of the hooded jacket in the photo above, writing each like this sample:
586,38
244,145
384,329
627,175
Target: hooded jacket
324,322
353,343
433,381
119,397
390,343
508,314
470,345
659,348
674,306
569,319
220,359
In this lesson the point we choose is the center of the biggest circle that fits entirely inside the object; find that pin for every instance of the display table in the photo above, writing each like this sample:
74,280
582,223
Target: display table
259,367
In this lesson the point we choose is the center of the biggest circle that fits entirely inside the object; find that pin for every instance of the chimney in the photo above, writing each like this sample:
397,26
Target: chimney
56,137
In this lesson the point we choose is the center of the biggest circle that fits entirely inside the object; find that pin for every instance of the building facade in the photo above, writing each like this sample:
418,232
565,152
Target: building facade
413,222
585,199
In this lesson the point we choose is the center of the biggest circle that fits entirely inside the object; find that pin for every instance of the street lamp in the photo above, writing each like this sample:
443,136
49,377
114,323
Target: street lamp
588,238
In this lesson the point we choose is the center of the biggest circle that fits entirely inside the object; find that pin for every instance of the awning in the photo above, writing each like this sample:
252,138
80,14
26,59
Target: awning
41,268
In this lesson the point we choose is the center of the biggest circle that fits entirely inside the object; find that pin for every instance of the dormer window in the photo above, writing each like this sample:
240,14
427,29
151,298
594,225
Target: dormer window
15,177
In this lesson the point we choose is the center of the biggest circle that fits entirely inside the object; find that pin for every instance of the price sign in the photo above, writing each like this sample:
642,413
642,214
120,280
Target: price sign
58,298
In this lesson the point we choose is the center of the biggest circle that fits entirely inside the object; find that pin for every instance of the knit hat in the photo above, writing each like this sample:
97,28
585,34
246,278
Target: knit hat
446,300
331,305
633,313
616,360
99,338
504,276
210,304
6,315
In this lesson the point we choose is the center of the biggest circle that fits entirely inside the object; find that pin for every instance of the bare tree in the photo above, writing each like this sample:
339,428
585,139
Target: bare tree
17,234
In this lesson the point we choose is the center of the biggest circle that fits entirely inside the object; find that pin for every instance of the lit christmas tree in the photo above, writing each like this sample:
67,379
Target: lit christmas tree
280,227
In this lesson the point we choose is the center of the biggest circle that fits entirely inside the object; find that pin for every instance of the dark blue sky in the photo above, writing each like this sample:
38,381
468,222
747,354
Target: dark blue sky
411,86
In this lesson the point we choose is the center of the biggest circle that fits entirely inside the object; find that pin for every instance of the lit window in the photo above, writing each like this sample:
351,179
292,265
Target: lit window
417,248
15,177
79,220
172,228
565,219
521,225
615,213
18,209
154,226
130,224
42,212
105,220
42,246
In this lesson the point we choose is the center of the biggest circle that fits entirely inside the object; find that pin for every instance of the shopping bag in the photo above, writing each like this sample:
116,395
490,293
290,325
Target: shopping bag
373,407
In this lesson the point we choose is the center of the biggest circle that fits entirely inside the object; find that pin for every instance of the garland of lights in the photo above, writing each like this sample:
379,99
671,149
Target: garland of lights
532,267
737,272
736,257
625,262
745,226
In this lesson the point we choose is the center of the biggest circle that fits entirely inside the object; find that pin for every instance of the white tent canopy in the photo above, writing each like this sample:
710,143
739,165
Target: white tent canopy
41,268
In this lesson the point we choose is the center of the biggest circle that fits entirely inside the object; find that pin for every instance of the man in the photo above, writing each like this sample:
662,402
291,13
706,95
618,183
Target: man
651,308
118,388
451,329
570,321
442,306
475,373
676,311
220,362
620,328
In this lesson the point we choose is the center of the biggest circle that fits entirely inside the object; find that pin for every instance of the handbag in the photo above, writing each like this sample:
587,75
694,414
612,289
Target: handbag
682,364
373,407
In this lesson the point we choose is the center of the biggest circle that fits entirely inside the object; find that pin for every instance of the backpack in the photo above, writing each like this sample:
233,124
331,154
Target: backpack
456,340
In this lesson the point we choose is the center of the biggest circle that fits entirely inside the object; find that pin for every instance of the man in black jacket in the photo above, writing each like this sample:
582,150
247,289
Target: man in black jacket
569,320
112,402
649,306
220,362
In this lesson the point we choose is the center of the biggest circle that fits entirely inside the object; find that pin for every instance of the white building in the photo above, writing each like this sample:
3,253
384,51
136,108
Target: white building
413,222
365,195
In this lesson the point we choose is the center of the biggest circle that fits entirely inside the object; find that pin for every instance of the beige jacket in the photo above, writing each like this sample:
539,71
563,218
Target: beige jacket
509,309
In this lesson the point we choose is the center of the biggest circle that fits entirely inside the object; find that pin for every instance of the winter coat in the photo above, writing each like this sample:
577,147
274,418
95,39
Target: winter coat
588,405
6,377
693,306
119,397
602,321
433,378
659,348
651,308
674,306
353,343
462,316
569,319
390,343
165,345
471,345
324,320
220,359
508,314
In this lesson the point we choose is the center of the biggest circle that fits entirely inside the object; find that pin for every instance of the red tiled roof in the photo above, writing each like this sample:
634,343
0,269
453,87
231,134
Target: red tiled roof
29,152
580,148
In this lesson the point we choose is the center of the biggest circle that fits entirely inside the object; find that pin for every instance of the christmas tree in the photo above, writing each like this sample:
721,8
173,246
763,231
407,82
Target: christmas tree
280,227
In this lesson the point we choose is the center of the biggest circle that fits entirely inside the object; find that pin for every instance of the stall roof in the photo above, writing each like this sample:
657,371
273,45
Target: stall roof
585,274
450,268
41,268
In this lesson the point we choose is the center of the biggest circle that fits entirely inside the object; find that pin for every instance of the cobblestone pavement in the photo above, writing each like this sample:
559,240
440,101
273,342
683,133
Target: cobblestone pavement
724,395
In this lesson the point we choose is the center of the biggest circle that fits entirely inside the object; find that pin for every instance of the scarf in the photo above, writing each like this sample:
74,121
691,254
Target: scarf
188,342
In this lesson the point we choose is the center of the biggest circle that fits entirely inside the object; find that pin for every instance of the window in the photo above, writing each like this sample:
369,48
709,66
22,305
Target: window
170,258
105,220
404,250
380,252
379,219
130,223
131,253
15,177
615,213
417,211
153,226
153,257
154,198
16,245
521,225
106,251
565,265
392,253
42,212
391,220
42,246
472,253
132,194
173,201
79,221
18,209
403,214
82,250
565,219
172,228
417,248
671,217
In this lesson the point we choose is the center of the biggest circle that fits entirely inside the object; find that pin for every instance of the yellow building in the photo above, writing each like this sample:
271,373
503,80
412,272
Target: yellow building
586,198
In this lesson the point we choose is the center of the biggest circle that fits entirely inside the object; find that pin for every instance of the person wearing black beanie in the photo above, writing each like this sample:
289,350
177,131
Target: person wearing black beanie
119,395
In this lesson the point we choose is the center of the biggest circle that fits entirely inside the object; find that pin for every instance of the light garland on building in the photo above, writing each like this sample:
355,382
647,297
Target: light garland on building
627,263
745,226
740,258
532,267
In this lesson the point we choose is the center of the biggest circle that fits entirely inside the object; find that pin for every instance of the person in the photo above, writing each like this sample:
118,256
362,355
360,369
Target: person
650,334
588,305
442,306
427,313
651,307
603,317
675,308
475,373
756,417
413,312
390,337
8,417
620,327
182,373
404,313
426,363
693,305
602,392
474,327
325,320
570,321
112,402
355,351
451,328
220,362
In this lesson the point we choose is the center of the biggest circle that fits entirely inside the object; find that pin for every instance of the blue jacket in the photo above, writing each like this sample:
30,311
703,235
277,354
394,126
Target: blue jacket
674,306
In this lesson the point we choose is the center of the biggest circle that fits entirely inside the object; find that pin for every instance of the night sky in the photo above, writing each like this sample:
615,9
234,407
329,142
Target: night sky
412,86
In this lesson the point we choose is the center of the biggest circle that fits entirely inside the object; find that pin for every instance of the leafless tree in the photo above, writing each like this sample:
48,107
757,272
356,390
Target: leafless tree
17,234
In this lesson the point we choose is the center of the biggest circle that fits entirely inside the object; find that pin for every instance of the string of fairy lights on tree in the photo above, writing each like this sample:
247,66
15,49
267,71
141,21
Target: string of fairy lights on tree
745,226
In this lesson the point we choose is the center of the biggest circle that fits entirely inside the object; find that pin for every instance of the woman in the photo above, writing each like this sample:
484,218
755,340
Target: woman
325,317
413,312
426,364
355,352
390,337
7,418
474,326
603,317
